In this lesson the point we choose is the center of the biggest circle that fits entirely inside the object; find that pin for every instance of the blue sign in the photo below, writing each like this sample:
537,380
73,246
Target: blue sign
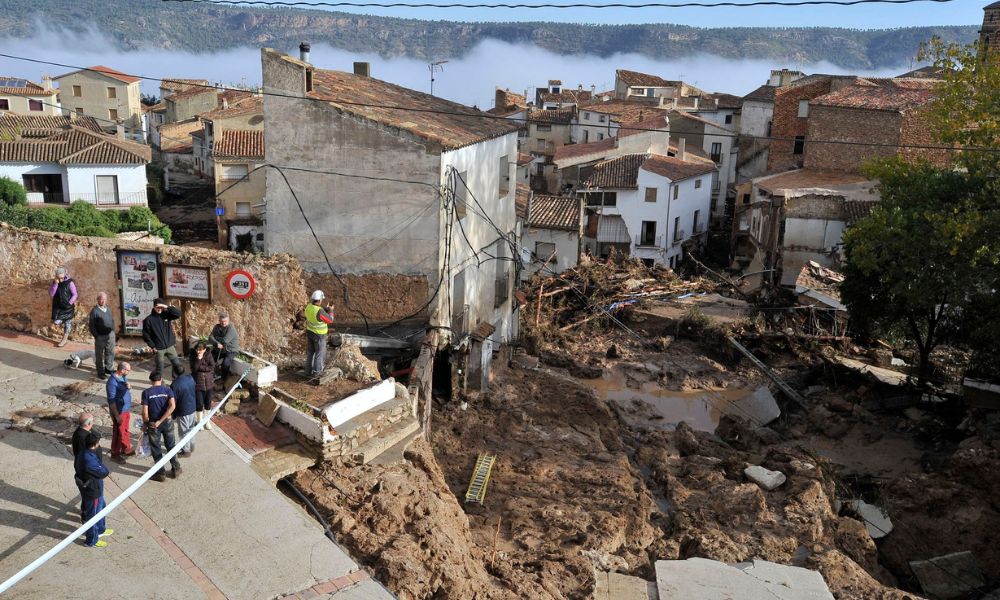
219,211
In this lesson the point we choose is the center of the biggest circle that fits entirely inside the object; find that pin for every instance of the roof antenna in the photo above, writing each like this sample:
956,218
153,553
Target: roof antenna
434,67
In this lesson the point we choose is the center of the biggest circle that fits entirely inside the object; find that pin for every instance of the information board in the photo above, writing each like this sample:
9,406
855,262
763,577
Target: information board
187,282
139,282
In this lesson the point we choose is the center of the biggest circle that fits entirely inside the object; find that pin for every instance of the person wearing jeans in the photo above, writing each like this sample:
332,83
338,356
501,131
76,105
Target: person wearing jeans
119,392
183,388
318,319
90,474
158,404
158,332
101,323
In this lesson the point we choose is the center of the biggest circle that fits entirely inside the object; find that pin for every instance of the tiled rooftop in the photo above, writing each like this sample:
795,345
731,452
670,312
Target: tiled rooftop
242,143
764,93
574,150
644,79
558,116
566,96
241,107
522,195
617,173
676,169
434,119
900,96
112,73
809,178
25,87
67,143
555,212
179,85
858,209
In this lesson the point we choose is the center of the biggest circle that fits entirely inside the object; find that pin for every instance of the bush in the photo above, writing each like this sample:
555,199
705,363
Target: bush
14,214
82,218
83,214
12,193
50,218
94,231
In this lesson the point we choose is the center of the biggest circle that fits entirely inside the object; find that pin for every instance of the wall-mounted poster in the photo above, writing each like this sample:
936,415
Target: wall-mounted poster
139,279
187,282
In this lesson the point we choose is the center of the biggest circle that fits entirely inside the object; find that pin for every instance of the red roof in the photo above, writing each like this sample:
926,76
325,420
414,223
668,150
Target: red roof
897,97
574,150
617,173
114,74
644,79
555,212
240,143
676,169
522,195
63,141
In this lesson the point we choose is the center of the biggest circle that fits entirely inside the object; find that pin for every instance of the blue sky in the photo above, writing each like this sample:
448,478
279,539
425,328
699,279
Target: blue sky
866,16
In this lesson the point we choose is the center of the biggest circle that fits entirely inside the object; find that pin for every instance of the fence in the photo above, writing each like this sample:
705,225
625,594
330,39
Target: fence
108,200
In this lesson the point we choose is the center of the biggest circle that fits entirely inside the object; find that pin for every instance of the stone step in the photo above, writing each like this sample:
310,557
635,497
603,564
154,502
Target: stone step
276,463
367,452
395,454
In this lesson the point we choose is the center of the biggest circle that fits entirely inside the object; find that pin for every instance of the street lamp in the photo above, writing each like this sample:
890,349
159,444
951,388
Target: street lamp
433,68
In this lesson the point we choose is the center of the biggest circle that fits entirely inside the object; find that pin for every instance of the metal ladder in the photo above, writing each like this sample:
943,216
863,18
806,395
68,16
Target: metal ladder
480,478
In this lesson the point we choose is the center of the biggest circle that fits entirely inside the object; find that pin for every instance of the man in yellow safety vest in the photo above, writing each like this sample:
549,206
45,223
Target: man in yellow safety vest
318,319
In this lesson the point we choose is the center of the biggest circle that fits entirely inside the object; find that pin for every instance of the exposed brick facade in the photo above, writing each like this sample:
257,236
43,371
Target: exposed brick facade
849,125
917,130
787,124
989,35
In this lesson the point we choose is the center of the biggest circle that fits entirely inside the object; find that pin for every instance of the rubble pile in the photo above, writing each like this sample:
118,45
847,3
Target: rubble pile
588,293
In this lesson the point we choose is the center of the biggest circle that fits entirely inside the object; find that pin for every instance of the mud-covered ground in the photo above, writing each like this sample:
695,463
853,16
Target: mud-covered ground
578,485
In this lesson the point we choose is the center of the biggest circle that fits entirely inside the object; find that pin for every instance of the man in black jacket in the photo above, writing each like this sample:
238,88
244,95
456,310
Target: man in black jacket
158,332
90,474
85,425
102,326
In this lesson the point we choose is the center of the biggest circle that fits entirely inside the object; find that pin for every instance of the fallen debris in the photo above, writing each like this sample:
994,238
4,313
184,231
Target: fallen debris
760,407
876,520
949,576
755,580
765,478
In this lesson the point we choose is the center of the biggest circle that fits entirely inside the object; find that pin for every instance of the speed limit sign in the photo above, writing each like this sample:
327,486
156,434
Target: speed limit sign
240,284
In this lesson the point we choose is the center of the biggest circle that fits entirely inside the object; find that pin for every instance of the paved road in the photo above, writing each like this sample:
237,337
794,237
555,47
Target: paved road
218,531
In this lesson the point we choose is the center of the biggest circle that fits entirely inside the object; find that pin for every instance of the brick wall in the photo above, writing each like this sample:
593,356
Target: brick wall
787,124
916,130
849,125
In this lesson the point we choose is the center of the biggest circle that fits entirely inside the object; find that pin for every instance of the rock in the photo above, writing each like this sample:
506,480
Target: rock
765,478
612,351
755,580
840,405
914,414
605,561
881,356
523,361
897,362
355,365
949,576
584,371
331,374
758,406
402,392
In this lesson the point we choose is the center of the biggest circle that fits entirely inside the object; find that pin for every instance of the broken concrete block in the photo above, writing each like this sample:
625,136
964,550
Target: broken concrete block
759,580
267,410
949,576
331,374
758,406
897,362
876,521
765,478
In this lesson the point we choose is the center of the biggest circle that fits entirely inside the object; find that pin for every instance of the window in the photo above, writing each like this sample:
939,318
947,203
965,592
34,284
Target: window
4,104
586,116
461,195
35,105
234,172
601,198
650,194
79,110
555,89
694,226
77,91
600,136
803,108
113,114
107,189
729,119
544,250
309,80
242,209
716,184
800,144
677,191
678,234
112,92
716,152
768,129
540,144
503,170
601,118
648,236
543,127
697,183
586,136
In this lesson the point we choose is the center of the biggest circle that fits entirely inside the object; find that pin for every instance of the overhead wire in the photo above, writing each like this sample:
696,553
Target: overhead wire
573,5
536,121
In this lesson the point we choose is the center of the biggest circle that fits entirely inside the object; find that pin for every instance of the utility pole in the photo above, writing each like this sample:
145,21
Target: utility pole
434,67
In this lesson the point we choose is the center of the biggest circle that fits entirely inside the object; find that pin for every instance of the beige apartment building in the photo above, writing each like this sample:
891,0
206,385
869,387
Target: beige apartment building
24,97
108,95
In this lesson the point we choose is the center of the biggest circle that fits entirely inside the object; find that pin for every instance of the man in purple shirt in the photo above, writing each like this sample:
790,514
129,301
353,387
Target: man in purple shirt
64,295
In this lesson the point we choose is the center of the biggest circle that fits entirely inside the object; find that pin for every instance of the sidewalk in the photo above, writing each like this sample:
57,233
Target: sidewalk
218,531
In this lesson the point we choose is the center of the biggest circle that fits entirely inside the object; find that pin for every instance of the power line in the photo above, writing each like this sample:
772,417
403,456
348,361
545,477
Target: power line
529,120
727,4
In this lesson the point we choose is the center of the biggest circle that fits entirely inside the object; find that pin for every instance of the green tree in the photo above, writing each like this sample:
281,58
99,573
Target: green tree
12,192
915,264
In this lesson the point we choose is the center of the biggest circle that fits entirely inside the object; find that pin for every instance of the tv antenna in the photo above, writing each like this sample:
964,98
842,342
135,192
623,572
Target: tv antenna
435,67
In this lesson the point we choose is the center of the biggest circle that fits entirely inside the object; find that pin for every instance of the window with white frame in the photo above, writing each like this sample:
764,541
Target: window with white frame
544,250
243,209
234,172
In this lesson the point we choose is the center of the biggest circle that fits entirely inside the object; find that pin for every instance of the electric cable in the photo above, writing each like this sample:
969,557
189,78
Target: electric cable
727,4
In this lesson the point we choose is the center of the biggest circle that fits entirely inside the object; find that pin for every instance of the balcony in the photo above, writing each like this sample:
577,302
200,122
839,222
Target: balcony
648,241
119,200
500,291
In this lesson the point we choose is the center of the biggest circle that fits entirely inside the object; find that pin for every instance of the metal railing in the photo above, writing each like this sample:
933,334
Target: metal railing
100,200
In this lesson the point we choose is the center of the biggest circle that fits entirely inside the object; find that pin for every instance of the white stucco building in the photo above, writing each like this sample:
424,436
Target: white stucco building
650,205
719,143
61,160
552,234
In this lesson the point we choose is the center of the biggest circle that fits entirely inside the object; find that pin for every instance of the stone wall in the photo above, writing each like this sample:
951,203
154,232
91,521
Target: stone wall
850,125
29,258
786,124
916,130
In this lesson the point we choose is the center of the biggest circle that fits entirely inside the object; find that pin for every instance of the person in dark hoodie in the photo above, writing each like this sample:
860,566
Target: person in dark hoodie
64,295
90,474
102,326
158,332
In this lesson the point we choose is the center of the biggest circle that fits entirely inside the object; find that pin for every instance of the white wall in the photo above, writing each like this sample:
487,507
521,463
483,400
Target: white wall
755,117
83,183
19,105
16,170
593,126
809,239
567,245
481,164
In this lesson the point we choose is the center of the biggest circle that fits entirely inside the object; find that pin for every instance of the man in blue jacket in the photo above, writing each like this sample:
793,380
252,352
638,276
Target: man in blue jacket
90,474
119,392
184,413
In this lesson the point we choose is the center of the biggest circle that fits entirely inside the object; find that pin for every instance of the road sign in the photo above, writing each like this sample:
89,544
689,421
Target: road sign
240,284
219,211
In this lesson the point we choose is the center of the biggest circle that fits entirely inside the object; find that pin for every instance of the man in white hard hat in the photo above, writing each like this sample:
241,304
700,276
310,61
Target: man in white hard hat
318,320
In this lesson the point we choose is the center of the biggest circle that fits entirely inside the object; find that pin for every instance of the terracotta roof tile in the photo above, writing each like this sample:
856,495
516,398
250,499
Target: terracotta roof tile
676,169
112,73
557,116
70,144
637,78
24,87
858,209
555,212
242,143
764,93
725,101
565,96
522,195
436,120
699,119
617,173
523,159
890,97
179,85
191,92
13,125
574,150
241,107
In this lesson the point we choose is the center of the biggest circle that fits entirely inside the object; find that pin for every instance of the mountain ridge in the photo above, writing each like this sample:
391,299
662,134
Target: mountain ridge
211,28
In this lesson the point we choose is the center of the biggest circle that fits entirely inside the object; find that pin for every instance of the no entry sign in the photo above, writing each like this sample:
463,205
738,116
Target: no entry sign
240,284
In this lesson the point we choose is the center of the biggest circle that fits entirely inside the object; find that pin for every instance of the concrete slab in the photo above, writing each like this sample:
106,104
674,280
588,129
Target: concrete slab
949,576
876,521
759,406
40,505
712,580
366,590
765,478
277,463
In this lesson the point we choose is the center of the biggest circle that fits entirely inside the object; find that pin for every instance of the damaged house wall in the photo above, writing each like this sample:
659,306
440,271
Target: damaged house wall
29,258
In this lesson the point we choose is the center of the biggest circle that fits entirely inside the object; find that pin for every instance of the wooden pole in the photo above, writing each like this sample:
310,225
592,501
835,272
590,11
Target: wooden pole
184,328
496,536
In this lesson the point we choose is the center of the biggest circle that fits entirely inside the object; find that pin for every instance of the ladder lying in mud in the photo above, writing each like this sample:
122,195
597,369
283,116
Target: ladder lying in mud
480,478
782,385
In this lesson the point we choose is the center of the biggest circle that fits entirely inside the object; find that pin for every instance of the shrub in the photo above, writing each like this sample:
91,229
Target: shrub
14,214
50,218
83,214
12,192
95,231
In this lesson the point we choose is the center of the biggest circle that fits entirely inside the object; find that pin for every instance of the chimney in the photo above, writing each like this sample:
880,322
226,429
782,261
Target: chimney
579,87
681,146
363,69
119,130
47,82
304,51
593,88
697,101
716,103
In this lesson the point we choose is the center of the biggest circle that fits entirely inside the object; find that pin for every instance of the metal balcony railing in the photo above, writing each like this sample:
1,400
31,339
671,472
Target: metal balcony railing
100,200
